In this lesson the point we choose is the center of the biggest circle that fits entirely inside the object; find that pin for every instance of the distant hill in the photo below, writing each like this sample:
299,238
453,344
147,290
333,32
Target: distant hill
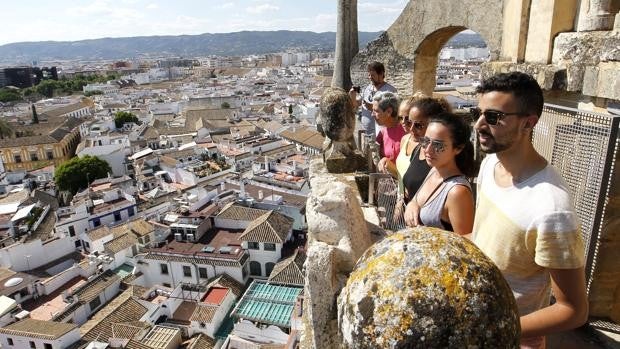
466,40
227,44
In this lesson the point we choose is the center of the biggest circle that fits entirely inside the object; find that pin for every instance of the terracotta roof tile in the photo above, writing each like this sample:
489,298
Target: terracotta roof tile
290,270
271,227
32,328
202,341
241,213
203,313
120,243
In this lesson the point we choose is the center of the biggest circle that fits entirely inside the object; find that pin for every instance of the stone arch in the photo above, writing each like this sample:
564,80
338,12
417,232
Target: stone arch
422,29
427,57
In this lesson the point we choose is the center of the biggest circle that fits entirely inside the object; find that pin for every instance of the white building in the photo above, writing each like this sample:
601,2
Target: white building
264,239
30,333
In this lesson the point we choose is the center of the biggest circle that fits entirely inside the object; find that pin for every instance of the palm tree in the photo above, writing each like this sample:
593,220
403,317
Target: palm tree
5,129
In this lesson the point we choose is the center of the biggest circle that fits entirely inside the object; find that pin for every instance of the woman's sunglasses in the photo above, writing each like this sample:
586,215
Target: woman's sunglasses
492,117
416,124
437,146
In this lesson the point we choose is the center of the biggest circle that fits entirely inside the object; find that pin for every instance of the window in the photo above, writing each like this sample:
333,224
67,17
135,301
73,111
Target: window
270,246
33,345
252,245
255,268
117,216
203,273
147,239
47,346
71,231
34,157
18,158
187,271
164,269
96,222
268,268
50,154
86,244
244,271
130,212
94,304
10,341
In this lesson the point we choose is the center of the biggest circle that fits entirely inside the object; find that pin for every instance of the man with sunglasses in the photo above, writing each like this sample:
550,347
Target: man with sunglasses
525,220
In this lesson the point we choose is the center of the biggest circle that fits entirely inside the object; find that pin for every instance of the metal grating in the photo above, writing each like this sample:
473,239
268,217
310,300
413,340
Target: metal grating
583,146
387,199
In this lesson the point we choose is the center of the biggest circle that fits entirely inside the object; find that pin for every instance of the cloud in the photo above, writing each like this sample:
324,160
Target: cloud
225,5
103,8
262,8
382,7
152,6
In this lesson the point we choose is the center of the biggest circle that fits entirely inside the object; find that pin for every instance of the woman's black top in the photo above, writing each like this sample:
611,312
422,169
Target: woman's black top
415,174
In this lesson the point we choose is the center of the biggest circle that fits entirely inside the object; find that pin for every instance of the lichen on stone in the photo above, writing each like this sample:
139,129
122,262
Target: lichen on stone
427,288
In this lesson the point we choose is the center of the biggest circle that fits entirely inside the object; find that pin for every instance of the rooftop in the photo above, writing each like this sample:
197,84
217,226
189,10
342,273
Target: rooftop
32,328
268,304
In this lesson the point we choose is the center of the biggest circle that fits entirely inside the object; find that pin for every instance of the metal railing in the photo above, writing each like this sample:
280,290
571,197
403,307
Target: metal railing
583,146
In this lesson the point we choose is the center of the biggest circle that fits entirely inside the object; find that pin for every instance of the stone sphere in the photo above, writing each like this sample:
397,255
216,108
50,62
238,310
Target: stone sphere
427,288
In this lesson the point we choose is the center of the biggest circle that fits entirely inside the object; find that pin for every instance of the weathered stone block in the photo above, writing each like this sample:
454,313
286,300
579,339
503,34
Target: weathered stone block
427,288
588,48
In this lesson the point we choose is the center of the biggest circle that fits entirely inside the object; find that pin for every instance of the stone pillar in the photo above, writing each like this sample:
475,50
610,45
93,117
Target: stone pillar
547,19
514,33
338,235
596,15
346,43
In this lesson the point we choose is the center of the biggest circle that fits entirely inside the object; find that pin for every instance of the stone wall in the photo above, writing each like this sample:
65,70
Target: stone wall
337,236
409,48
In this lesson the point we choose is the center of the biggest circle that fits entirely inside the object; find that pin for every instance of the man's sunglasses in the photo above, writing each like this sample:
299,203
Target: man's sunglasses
492,117
437,146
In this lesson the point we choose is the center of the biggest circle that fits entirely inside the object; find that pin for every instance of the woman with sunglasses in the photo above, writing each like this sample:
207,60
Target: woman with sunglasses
422,109
445,198
407,142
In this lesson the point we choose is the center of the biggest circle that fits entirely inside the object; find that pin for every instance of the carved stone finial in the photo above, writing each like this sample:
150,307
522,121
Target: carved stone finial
427,288
337,123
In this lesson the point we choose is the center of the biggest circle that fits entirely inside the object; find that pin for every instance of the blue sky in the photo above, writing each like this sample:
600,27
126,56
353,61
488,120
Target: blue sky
68,20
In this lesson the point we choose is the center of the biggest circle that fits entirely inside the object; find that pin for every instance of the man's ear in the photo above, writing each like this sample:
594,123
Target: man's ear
531,121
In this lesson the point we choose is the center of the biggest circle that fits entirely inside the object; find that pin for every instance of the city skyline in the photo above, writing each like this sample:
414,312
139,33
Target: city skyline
72,21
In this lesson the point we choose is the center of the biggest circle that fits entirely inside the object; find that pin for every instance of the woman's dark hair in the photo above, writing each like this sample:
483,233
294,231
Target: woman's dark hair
461,137
432,106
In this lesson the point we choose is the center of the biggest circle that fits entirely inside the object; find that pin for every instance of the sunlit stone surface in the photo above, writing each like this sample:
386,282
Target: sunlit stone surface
427,288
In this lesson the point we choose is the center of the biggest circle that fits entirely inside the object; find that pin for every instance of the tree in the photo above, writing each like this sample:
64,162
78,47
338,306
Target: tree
5,129
35,116
225,105
123,117
74,175
9,95
47,88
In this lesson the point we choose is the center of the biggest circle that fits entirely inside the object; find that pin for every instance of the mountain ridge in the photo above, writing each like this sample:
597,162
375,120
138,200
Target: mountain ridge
220,44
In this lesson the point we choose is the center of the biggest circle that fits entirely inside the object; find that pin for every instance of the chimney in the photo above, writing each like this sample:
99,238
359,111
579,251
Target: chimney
222,187
260,195
242,189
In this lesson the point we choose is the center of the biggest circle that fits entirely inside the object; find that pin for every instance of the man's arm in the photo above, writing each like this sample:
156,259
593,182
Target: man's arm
569,311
